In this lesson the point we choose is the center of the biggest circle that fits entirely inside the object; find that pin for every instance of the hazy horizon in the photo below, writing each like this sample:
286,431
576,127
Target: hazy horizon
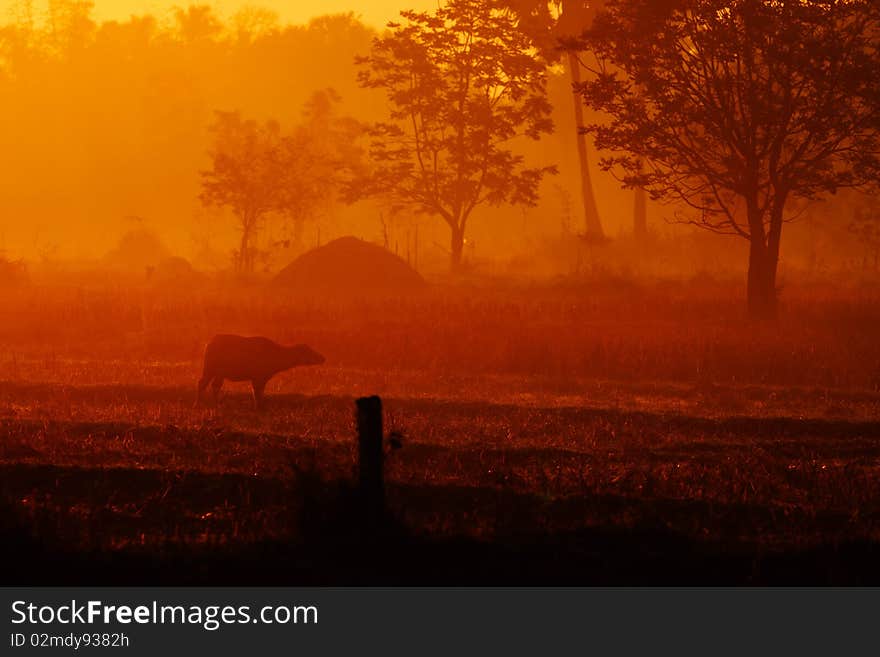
375,13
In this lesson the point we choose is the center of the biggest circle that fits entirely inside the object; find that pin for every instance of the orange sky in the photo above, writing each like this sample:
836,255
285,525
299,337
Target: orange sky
376,12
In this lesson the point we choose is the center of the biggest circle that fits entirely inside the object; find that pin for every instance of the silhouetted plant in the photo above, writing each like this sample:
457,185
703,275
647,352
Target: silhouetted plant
318,157
461,83
244,176
551,23
734,108
258,171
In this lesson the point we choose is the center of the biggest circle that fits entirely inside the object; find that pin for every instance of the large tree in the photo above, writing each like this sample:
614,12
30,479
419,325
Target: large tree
461,83
735,107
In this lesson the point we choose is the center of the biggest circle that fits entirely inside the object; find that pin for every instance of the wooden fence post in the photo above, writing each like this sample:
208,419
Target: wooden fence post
371,483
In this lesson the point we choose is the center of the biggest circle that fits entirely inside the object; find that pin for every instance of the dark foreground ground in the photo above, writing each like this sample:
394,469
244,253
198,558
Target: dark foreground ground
333,547
131,485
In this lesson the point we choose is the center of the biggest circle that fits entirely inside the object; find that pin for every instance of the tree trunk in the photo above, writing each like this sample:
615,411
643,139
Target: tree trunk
244,252
456,249
593,224
762,280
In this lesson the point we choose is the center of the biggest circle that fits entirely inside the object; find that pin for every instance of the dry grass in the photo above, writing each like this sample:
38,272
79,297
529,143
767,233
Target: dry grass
648,332
657,405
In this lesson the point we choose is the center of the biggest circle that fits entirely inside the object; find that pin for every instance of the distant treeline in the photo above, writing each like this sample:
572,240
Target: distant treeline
111,120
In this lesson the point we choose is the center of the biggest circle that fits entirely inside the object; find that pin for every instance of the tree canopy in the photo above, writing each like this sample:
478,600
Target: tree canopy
731,108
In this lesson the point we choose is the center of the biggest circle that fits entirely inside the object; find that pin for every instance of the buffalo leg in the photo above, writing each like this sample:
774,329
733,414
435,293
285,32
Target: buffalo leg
203,384
215,387
259,389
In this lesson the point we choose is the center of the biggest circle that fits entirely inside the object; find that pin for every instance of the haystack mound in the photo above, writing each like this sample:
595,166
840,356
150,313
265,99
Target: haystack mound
174,270
349,266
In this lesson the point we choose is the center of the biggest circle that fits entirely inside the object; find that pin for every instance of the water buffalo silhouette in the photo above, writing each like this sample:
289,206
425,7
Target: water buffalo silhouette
253,359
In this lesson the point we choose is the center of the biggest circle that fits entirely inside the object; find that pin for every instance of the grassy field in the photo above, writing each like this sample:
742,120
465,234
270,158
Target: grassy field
593,435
